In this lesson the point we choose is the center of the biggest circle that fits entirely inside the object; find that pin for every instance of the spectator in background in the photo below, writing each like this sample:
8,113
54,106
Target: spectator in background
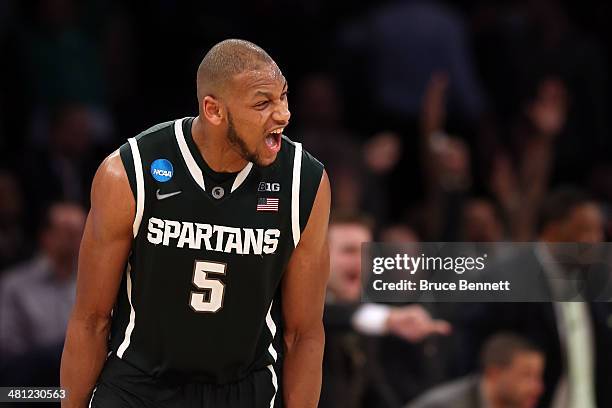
481,221
520,44
381,155
320,128
432,360
406,42
357,172
445,162
511,377
37,296
14,243
399,46
63,170
63,58
576,337
352,374
398,233
482,229
521,173
69,54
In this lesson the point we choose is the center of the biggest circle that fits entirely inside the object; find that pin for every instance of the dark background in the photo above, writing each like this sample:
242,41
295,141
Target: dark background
416,108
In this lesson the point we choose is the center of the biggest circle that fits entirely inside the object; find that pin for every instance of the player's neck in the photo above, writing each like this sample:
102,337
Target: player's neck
218,154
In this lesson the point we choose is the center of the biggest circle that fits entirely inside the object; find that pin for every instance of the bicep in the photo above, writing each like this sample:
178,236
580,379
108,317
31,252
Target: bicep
106,240
306,276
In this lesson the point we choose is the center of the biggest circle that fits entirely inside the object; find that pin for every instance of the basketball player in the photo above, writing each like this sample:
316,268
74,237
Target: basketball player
204,259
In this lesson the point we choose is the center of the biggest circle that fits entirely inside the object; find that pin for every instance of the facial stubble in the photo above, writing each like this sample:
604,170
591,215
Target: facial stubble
239,144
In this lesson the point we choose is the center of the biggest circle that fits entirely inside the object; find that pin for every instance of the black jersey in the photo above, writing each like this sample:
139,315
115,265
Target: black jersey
200,296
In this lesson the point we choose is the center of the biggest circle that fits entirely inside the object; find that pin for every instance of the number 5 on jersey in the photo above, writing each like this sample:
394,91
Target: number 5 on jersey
214,288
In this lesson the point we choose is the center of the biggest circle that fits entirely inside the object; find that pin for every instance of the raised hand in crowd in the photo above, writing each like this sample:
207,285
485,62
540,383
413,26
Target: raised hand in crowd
445,159
413,323
521,188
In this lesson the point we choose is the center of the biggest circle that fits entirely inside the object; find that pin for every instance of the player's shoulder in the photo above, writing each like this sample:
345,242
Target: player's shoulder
151,139
159,129
310,172
309,163
157,133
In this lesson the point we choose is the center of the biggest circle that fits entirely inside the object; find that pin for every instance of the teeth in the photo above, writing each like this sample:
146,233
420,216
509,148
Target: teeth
278,131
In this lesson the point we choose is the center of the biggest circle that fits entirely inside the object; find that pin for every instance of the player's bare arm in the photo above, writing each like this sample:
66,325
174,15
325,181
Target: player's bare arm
303,300
105,246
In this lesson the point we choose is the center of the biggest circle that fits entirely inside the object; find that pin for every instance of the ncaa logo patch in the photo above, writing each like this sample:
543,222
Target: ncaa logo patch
161,170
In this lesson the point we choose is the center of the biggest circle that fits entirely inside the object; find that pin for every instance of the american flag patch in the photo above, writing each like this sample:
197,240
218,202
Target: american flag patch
267,204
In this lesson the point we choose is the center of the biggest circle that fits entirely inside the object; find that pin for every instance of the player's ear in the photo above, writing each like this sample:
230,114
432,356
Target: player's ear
212,109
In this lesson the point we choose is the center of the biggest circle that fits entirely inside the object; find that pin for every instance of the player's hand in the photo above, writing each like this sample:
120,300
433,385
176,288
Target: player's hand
413,323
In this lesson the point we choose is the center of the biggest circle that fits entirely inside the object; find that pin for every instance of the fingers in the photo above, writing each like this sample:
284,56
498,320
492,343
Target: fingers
413,323
428,328
441,327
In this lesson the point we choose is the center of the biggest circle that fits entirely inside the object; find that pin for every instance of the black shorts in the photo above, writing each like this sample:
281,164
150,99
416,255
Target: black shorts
121,385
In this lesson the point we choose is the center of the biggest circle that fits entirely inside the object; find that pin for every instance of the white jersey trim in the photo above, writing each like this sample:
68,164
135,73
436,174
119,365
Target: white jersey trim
193,167
140,196
241,176
92,397
130,327
274,383
272,328
272,351
295,193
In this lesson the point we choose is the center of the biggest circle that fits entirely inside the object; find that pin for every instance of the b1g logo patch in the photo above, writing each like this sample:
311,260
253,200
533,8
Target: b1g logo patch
275,187
162,170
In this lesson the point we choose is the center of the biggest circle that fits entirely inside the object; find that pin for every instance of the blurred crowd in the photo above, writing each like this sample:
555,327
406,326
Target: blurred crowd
469,121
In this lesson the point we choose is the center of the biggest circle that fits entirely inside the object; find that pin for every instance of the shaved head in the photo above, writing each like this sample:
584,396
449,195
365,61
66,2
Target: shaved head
226,60
242,102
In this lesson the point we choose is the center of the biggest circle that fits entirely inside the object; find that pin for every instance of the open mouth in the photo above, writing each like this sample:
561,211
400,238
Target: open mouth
273,140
